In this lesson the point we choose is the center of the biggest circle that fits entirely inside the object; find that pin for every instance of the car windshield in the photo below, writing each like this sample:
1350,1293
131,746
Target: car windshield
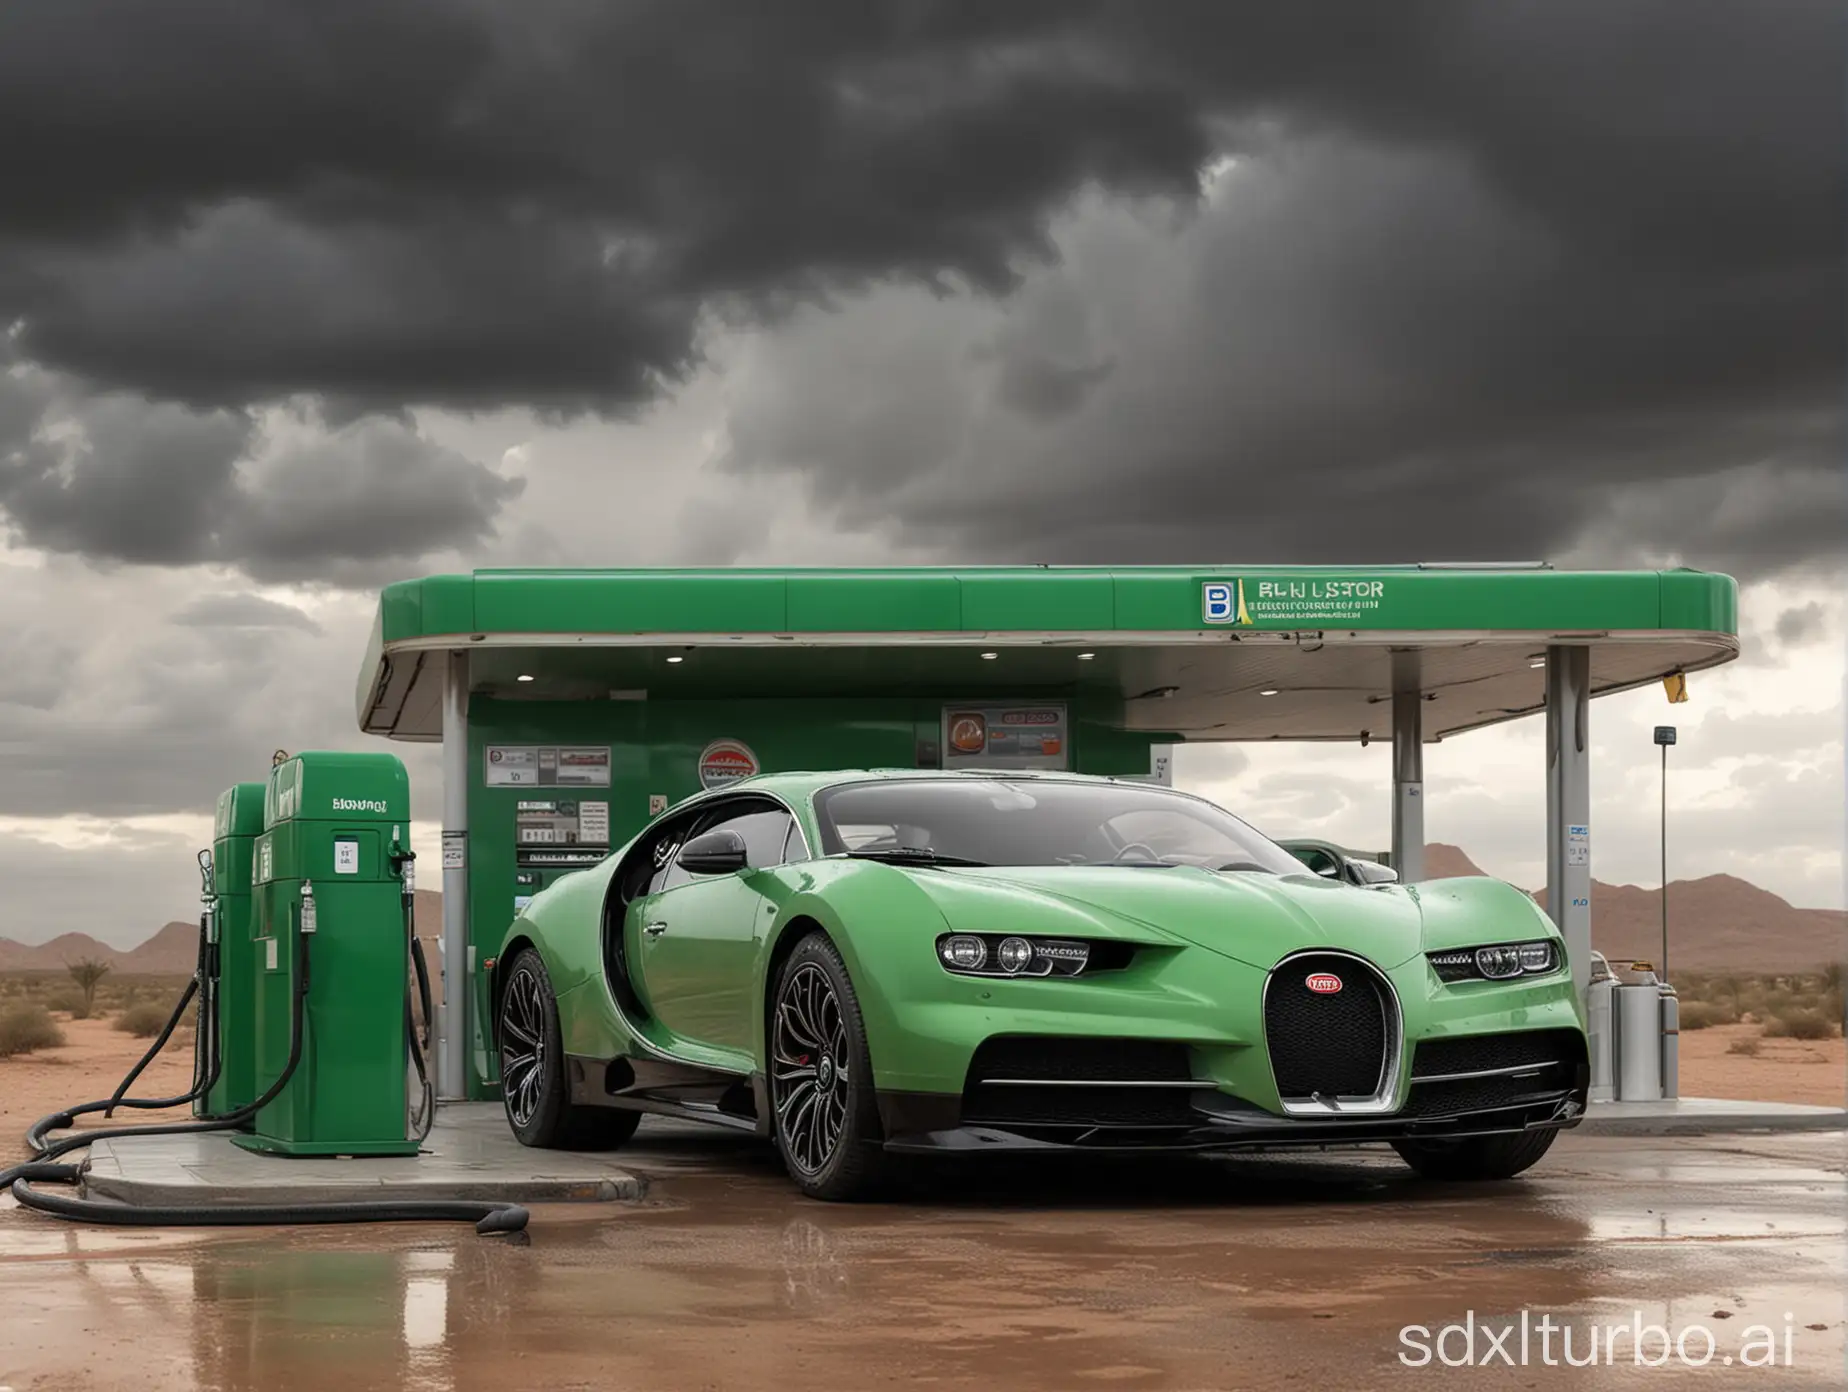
1003,821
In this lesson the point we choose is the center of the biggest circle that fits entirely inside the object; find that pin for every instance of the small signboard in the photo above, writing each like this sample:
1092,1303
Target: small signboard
546,766
1578,845
1665,734
455,850
1006,737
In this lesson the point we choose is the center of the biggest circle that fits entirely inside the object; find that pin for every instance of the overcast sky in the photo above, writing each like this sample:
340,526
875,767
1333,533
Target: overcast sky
295,300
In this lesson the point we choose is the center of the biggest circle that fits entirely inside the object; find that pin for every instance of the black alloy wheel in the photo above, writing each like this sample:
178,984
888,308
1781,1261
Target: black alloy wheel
826,1118
523,1054
532,1056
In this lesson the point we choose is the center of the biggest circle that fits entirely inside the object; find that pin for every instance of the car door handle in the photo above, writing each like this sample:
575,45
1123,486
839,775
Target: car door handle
655,930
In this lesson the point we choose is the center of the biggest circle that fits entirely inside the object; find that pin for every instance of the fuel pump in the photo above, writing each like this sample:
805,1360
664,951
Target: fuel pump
330,936
328,896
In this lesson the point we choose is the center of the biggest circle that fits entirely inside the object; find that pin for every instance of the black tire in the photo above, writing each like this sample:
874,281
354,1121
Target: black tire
534,1094
1479,1158
824,1110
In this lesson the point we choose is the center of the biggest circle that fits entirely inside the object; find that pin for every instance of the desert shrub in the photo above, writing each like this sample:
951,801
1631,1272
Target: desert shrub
68,999
145,1020
1748,1047
1800,1024
1699,1015
25,1027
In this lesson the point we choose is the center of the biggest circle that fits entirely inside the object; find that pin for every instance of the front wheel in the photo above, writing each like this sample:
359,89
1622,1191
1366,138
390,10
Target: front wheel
826,1116
1479,1158
532,1059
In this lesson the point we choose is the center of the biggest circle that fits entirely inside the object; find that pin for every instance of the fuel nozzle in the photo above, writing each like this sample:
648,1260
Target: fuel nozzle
404,861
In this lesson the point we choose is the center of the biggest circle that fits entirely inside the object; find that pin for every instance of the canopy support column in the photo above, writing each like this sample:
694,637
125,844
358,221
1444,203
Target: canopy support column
1568,802
1408,828
452,1037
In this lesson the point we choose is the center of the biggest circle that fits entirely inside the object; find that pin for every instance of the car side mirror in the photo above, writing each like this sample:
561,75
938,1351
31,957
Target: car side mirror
1318,857
1371,872
717,852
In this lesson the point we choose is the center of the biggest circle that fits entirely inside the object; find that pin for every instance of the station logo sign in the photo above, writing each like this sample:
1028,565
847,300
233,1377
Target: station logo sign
968,732
726,761
1321,601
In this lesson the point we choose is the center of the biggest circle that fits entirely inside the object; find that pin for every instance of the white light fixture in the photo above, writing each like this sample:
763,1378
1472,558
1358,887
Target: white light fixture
990,657
524,676
1540,663
1268,691
1086,657
676,659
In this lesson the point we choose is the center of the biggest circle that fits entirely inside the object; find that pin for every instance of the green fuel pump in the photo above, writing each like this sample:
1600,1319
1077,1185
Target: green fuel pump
329,925
227,1032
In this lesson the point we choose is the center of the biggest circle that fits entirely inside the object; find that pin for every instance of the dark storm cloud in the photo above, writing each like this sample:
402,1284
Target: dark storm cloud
1489,265
475,204
117,477
1350,355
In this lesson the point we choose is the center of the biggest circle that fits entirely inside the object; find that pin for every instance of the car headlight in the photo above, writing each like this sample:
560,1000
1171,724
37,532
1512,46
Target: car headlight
1010,954
1496,962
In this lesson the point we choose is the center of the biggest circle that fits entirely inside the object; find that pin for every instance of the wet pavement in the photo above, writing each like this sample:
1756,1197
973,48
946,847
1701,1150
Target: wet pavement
1244,1273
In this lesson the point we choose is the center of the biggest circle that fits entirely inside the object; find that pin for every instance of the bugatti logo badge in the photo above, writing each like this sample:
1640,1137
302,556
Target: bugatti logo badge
726,761
1323,983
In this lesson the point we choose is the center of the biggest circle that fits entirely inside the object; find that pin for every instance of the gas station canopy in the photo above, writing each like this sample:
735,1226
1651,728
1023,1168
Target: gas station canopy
1192,653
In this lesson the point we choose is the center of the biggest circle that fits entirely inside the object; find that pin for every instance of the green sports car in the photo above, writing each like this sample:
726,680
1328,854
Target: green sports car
866,964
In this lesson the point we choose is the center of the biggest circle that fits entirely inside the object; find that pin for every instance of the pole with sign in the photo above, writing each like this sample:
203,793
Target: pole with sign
1664,736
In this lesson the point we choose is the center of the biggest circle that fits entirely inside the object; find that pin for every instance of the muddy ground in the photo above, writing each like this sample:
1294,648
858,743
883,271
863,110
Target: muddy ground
1304,1273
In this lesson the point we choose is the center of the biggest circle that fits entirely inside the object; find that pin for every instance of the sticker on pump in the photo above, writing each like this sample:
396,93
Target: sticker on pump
346,857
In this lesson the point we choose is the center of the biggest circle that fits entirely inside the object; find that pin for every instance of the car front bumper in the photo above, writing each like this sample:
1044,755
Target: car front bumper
933,1124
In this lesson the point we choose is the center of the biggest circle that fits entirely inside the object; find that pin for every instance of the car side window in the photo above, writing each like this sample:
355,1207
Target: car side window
666,846
794,848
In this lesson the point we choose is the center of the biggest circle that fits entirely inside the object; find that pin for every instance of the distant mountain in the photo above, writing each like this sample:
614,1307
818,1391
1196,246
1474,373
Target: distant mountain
1442,862
1719,923
174,950
57,954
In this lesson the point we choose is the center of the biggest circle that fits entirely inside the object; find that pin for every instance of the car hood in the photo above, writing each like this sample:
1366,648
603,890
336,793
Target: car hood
1253,918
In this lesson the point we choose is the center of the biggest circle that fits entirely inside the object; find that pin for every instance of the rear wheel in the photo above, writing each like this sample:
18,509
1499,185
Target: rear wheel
826,1116
1479,1158
532,1059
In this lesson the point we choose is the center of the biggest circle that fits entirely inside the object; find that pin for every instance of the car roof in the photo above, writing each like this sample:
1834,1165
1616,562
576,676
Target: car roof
812,780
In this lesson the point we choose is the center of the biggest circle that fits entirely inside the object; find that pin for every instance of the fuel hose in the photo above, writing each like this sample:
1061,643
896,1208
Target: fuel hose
489,1218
